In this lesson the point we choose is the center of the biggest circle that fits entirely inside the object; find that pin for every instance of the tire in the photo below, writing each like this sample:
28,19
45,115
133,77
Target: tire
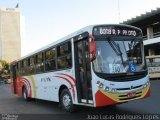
66,101
25,94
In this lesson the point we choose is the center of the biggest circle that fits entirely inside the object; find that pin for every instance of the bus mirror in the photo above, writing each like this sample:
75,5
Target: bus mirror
92,47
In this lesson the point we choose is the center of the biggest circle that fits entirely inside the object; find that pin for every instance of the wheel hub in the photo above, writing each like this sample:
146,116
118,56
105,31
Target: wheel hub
24,94
66,101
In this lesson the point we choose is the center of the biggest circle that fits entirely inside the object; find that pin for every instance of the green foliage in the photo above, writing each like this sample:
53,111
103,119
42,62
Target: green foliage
4,69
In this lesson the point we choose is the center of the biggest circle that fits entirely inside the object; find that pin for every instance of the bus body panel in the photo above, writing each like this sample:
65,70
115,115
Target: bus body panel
46,86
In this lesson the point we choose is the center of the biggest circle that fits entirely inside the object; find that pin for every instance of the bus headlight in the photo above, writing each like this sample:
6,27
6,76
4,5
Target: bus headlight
145,85
113,90
107,88
101,85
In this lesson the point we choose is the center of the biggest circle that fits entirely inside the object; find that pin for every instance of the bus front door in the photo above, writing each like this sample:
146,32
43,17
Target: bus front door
83,71
14,76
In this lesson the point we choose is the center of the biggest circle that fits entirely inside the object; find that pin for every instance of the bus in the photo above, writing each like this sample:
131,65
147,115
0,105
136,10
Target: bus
98,65
153,63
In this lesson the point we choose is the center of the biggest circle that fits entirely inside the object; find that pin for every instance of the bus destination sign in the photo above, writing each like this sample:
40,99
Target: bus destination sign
115,31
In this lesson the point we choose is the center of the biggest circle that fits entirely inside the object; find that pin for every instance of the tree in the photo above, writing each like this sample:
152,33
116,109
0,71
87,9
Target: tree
4,69
1,67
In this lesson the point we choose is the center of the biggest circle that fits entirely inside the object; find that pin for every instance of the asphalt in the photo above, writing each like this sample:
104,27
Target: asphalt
11,104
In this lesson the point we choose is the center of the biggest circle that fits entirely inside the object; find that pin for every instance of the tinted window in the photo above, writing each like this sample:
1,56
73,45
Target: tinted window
18,69
39,63
32,65
50,57
64,55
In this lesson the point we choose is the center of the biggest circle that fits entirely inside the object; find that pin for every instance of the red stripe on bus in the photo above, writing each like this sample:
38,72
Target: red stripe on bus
27,81
68,76
101,99
69,83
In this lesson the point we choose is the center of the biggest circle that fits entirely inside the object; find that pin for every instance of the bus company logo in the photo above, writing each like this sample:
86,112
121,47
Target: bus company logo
47,79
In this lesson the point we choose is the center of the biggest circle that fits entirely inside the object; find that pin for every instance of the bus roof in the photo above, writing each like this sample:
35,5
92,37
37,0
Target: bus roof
70,36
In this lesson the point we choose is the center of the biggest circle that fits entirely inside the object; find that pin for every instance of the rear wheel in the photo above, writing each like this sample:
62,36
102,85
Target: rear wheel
66,101
25,94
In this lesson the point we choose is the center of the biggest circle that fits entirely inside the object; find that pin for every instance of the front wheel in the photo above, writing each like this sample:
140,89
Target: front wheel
66,101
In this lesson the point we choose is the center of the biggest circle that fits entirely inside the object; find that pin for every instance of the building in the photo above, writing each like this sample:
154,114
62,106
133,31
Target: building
150,25
10,35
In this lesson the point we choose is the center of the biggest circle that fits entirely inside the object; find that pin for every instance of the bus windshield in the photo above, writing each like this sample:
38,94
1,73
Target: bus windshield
119,56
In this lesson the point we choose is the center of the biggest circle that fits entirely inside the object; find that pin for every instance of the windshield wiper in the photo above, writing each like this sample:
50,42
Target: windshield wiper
116,48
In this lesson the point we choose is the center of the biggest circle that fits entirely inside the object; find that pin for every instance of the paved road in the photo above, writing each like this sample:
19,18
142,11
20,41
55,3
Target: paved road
11,104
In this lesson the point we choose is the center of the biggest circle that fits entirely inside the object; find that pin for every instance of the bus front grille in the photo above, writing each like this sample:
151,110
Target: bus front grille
123,76
128,77
134,87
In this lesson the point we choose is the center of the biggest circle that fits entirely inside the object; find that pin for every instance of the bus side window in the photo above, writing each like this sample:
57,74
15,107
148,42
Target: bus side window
32,65
64,55
50,63
39,63
22,67
25,66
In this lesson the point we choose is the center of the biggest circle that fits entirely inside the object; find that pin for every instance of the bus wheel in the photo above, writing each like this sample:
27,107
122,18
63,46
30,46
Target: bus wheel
25,94
66,101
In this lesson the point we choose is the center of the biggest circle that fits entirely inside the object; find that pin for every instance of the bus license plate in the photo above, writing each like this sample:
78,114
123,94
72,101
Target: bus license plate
131,94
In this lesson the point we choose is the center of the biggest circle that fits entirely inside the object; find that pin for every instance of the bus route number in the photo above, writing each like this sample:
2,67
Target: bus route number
114,68
121,32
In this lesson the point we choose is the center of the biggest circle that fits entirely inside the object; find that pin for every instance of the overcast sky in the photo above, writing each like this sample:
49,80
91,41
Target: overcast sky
49,20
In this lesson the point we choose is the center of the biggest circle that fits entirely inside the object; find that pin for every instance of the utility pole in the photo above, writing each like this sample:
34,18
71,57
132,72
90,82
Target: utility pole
119,14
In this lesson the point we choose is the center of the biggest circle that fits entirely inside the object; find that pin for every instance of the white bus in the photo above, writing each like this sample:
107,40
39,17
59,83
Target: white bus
98,65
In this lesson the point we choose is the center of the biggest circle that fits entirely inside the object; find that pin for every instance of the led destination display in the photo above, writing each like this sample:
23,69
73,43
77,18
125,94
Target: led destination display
116,31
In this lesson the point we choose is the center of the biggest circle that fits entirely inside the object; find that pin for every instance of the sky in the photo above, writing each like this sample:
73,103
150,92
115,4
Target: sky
49,20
